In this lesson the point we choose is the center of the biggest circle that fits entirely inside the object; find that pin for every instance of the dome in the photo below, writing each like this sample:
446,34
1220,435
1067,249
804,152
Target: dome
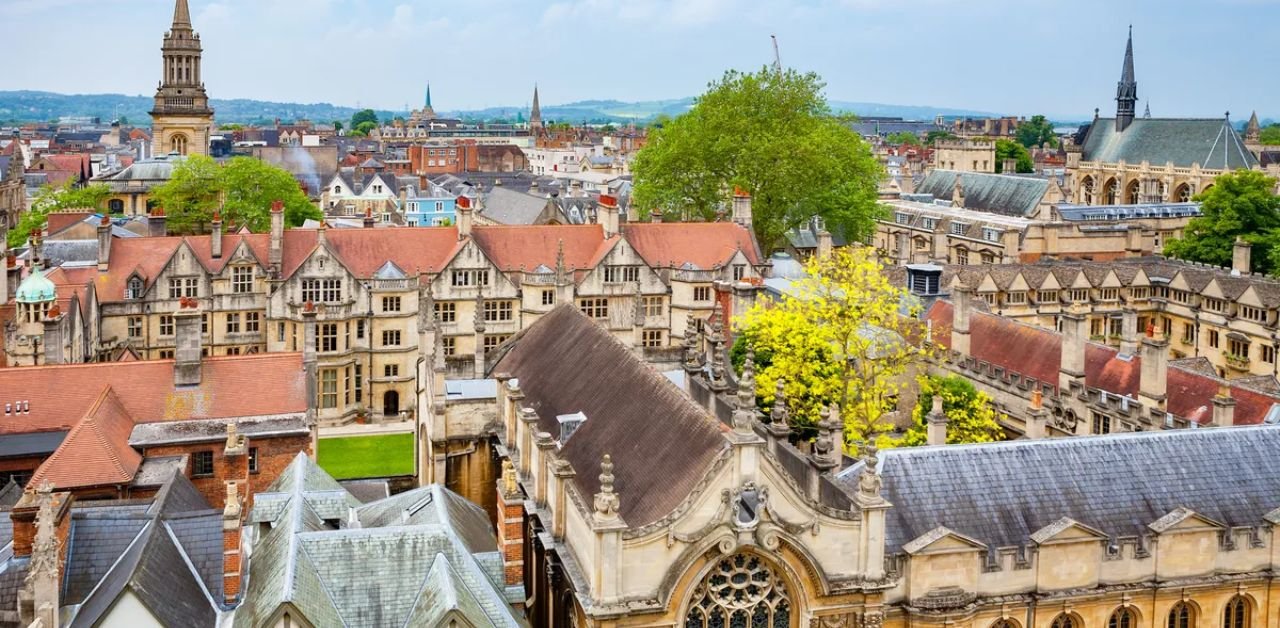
36,288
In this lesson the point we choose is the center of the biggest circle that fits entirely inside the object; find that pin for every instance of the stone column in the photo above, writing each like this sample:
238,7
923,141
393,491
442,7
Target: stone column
937,422
1071,368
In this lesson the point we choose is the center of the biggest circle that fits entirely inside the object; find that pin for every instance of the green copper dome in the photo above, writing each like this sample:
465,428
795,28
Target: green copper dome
36,288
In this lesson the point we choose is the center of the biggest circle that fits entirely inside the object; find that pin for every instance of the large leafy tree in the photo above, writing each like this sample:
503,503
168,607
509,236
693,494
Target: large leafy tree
243,189
902,137
842,338
772,135
1037,133
363,116
1270,135
1009,149
1241,204
55,199
971,418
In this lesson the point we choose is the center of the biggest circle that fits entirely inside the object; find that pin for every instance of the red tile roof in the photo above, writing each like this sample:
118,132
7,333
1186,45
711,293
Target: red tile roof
96,451
518,247
413,249
231,386
61,220
1037,353
707,245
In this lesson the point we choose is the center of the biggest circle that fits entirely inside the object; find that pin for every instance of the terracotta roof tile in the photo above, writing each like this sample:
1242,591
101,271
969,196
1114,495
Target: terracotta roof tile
413,249
96,451
707,245
231,386
515,248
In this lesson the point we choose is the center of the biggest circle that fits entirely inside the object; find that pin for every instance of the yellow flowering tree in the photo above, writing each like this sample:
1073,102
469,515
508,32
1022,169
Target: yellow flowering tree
842,337
970,416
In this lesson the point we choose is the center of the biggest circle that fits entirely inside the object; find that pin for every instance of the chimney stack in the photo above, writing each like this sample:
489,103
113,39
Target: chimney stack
1129,331
510,526
465,216
741,207
156,223
276,252
1241,252
961,297
231,559
104,244
53,350
1153,382
608,215
937,422
1037,417
825,244
215,238
368,218
1133,241
1071,366
1224,407
187,329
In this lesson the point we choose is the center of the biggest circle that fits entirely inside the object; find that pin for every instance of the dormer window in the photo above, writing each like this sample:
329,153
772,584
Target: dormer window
134,289
337,189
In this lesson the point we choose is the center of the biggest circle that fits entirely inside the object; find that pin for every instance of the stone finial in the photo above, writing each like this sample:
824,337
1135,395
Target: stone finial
606,501
639,306
509,485
426,307
779,414
717,322
691,358
822,445
232,508
561,272
745,413
869,481
44,549
479,314
234,439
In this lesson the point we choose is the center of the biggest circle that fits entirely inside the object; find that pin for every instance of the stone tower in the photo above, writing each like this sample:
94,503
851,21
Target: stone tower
181,119
535,114
1126,90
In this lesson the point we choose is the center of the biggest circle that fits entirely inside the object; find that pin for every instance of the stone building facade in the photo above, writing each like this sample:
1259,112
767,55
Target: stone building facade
181,119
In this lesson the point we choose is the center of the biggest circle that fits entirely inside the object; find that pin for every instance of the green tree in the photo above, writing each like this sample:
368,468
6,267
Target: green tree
55,199
902,137
935,135
364,128
337,125
970,416
364,115
1037,133
772,135
1240,204
1270,135
243,189
1009,149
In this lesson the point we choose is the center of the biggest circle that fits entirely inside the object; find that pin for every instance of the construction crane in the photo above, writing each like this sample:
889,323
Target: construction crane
777,58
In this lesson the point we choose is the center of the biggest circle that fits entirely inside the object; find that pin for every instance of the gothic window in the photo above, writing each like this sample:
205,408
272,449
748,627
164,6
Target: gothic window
178,144
1066,621
1182,193
1236,614
1086,187
1004,623
1131,193
1123,618
740,591
1182,616
1111,192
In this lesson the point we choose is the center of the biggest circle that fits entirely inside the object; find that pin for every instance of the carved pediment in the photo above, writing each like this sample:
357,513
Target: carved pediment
1067,530
942,540
1184,520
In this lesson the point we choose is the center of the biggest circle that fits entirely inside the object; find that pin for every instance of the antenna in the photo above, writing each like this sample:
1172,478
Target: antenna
777,58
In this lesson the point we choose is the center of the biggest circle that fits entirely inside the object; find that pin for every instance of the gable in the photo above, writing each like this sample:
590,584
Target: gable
1066,530
942,540
128,611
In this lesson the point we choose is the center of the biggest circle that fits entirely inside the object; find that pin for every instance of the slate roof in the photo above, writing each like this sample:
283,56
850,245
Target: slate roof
512,207
402,574
567,363
997,193
1002,493
1210,142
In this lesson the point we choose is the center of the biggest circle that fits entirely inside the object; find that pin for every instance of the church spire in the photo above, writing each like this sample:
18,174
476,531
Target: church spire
428,95
1126,89
535,114
1253,131
181,15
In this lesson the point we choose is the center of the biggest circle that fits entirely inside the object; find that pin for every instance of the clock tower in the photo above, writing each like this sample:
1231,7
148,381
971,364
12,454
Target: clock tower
181,119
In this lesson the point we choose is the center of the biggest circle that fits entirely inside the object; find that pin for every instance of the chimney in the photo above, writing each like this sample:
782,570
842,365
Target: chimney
1129,331
276,252
655,215
511,525
1010,166
824,239
957,192
368,218
937,422
1133,241
608,214
961,297
1037,417
187,322
41,524
231,559
309,351
741,207
104,244
465,216
1224,408
1153,385
156,223
53,350
215,238
1071,366
1241,252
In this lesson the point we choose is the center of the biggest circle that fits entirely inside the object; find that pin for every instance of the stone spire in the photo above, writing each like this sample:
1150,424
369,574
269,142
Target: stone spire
426,307
606,501
719,382
1126,89
745,412
427,109
181,15
1146,111
561,272
535,114
1253,132
692,362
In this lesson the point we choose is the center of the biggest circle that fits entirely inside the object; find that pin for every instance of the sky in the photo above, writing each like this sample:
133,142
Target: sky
1057,57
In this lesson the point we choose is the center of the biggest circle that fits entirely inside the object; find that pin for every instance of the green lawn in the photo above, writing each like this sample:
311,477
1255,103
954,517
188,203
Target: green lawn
382,455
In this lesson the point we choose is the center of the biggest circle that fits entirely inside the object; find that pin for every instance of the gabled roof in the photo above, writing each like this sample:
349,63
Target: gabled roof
1003,493
707,245
96,451
513,248
1210,142
567,363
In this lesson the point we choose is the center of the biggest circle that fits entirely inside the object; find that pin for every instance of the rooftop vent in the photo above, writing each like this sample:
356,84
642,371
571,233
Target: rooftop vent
569,423
924,279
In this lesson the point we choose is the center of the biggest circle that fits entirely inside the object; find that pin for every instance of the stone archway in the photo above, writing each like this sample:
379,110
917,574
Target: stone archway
740,589
1132,192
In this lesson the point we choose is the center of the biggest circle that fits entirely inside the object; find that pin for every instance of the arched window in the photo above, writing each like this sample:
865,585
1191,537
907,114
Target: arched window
1182,616
740,590
1004,623
390,403
1182,193
1086,188
1065,621
1123,618
1236,614
1131,193
178,144
1110,192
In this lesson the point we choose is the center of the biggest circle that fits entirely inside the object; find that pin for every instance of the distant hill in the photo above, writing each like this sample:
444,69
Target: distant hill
29,106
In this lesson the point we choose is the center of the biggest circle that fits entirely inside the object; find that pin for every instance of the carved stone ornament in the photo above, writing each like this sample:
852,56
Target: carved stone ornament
606,501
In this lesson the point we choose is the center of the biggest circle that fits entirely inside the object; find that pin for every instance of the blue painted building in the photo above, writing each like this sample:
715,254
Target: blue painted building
435,206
